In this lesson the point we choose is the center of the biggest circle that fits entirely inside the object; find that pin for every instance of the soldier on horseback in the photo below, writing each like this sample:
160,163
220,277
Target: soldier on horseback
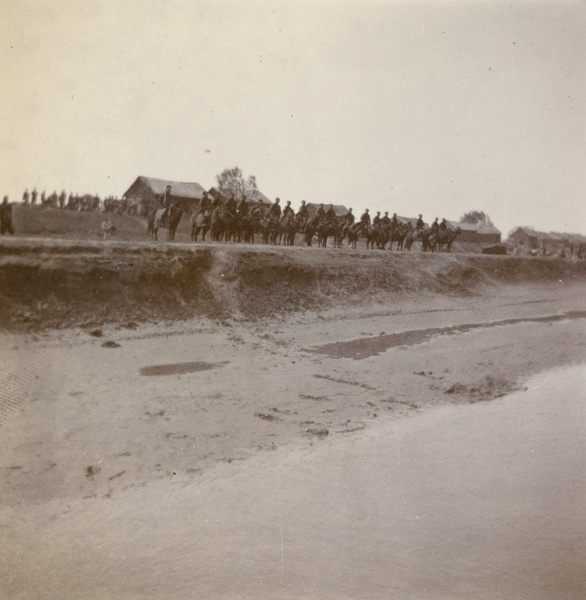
275,210
165,200
230,207
364,221
205,201
320,215
243,207
349,218
258,210
288,210
331,214
303,213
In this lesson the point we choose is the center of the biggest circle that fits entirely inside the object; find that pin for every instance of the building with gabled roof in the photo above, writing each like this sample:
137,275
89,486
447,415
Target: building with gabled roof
476,233
149,190
313,207
410,220
523,236
251,198
257,195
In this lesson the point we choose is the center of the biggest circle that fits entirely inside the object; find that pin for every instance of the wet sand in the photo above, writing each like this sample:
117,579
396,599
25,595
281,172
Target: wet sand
282,472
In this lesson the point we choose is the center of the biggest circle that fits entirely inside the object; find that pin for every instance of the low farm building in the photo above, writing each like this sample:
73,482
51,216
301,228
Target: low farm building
251,198
547,243
257,195
476,233
149,190
313,207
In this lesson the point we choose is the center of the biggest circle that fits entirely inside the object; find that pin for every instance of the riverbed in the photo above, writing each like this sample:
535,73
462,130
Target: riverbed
238,461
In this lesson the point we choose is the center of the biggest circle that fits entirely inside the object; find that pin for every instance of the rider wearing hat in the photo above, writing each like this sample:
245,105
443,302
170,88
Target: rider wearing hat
288,210
275,210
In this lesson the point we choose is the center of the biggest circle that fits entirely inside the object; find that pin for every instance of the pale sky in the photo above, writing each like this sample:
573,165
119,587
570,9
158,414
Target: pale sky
435,107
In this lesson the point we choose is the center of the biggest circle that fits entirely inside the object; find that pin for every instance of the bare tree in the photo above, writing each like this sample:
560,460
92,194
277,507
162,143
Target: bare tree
476,217
231,181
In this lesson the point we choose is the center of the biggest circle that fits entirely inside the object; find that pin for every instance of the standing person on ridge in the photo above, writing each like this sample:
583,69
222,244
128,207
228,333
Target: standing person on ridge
6,217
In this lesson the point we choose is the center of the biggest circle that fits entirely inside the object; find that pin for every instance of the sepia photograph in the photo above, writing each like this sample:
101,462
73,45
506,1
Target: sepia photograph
293,300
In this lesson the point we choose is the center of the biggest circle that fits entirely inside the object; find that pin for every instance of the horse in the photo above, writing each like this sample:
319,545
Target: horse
218,224
339,231
375,235
200,222
398,234
310,230
270,229
323,230
428,240
446,238
168,218
288,227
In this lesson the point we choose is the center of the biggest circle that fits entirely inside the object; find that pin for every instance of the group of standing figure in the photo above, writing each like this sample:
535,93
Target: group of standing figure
85,202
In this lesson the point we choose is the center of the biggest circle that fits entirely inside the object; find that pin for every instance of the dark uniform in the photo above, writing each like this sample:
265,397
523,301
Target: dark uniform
394,221
258,209
6,217
376,219
288,210
443,226
205,201
165,200
275,210
419,224
231,205
349,217
365,218
331,214
385,220
243,207
435,227
303,212
165,197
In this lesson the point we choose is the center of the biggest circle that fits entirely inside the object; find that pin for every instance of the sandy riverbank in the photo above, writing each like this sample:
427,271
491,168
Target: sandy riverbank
104,432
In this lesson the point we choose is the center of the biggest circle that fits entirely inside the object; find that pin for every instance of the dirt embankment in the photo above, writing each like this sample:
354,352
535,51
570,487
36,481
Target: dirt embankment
49,283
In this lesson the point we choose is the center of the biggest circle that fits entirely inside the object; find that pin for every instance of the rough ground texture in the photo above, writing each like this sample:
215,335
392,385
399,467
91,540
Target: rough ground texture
52,283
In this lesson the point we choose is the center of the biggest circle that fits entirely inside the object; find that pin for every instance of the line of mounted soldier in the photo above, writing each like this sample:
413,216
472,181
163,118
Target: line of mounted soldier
233,220
85,203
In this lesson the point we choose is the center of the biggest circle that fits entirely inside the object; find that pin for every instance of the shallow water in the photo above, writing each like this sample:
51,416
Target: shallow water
180,368
364,347
483,502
